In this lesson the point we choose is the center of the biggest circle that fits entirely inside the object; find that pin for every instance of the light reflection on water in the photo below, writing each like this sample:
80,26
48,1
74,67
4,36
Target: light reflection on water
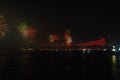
114,60
63,65
114,68
118,67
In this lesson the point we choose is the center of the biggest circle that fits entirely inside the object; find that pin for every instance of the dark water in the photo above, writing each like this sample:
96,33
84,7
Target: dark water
35,65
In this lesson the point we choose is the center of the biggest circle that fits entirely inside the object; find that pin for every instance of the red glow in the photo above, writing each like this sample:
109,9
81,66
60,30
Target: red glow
32,32
55,37
68,38
100,42
67,33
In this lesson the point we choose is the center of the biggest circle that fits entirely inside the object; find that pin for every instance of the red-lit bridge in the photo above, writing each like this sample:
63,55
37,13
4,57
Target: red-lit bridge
96,44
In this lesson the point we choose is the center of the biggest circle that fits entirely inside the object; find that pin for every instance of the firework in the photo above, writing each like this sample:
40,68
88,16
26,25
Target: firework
31,32
3,27
28,33
68,38
53,38
23,29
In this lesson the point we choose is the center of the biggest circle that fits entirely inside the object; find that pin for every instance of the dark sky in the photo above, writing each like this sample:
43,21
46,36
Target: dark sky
86,20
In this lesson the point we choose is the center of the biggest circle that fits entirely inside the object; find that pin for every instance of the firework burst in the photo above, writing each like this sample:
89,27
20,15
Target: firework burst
3,27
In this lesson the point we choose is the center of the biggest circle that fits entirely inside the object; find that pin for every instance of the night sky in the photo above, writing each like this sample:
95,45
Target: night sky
86,20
